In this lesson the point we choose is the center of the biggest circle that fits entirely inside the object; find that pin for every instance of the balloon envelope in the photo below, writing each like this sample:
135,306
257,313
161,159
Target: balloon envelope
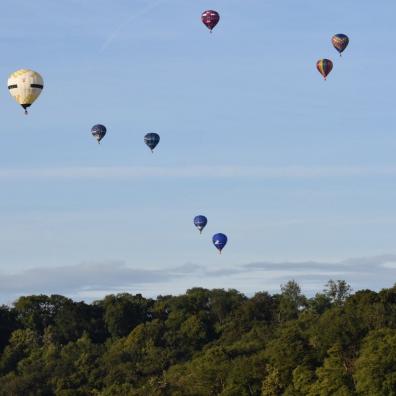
152,139
200,222
324,67
98,132
25,86
219,240
340,42
210,19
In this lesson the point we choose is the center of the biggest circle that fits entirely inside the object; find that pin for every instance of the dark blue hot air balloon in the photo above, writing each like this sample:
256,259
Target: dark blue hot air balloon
340,42
200,222
98,132
219,240
152,139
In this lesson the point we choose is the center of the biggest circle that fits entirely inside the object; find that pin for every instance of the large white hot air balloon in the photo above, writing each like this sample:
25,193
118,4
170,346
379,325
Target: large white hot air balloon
25,86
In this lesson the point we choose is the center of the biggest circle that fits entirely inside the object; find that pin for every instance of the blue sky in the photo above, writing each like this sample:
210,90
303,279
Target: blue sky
293,169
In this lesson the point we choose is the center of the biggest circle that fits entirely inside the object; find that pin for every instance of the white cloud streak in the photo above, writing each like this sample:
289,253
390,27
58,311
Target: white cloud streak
194,171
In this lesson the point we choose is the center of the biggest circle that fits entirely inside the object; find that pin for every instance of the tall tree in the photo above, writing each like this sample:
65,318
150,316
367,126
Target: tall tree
292,301
338,291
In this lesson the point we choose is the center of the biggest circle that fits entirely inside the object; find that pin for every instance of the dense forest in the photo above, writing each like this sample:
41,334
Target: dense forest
205,342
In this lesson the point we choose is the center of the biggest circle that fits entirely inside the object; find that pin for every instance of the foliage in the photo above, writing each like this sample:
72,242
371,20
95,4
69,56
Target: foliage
205,342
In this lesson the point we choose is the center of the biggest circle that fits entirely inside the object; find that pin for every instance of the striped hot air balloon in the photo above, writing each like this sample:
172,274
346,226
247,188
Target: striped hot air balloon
25,86
324,66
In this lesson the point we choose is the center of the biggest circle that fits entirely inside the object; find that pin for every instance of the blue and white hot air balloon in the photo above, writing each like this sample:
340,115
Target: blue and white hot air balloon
219,240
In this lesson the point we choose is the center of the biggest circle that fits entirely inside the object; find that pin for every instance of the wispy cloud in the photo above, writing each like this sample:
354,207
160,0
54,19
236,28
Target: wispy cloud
96,279
360,264
372,272
107,275
193,171
150,5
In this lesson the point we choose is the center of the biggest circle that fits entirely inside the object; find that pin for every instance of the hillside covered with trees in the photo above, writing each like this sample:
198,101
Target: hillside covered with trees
205,342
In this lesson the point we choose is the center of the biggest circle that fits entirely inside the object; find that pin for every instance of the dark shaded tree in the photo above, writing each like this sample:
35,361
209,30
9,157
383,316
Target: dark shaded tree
204,342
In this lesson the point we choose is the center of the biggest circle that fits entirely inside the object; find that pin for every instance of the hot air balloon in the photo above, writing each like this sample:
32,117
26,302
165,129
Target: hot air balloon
324,66
219,240
210,19
200,222
98,132
25,86
340,42
152,139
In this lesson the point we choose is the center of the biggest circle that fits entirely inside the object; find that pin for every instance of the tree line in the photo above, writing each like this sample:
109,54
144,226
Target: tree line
204,342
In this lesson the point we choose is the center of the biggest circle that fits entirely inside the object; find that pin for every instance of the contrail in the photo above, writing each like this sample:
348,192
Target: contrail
117,31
